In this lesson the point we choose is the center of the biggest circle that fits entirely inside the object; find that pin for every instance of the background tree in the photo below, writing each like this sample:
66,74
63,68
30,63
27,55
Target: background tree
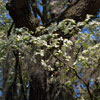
45,55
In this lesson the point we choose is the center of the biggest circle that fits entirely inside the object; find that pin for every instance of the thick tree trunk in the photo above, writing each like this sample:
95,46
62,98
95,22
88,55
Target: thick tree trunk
21,13
38,85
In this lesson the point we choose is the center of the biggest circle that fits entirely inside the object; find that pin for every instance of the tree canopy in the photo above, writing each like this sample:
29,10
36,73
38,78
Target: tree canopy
50,49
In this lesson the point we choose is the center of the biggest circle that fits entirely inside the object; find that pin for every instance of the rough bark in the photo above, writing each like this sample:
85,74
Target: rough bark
38,85
79,10
21,13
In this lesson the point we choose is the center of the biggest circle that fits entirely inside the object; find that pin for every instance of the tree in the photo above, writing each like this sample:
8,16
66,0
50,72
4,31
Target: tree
46,56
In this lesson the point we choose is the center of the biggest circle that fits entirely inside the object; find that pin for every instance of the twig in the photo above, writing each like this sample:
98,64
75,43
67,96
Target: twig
17,67
86,84
16,53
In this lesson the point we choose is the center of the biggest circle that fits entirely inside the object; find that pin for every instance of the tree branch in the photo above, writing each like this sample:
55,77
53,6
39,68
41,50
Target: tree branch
9,31
45,10
71,68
